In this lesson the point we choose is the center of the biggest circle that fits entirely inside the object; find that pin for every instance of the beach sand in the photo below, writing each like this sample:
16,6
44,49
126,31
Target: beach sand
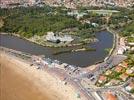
20,81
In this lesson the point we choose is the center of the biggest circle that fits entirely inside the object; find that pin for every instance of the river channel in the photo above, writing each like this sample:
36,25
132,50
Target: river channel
81,58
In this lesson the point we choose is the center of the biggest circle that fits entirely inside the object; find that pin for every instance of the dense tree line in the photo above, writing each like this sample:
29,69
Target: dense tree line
38,21
123,21
31,21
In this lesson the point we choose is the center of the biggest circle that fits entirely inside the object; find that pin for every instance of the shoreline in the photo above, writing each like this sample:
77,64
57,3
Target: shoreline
41,79
50,46
109,54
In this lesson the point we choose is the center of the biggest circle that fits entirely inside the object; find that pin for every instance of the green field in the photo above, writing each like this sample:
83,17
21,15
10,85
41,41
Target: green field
104,11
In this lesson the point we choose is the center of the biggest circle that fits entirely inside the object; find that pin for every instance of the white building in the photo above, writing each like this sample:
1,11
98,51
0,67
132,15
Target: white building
130,87
131,43
130,71
31,1
121,50
54,38
77,14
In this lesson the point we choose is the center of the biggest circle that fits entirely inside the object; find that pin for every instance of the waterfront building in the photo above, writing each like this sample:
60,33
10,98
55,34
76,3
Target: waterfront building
58,38
121,50
131,43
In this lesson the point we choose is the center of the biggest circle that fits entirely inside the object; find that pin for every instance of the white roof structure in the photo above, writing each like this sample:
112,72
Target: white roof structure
121,50
131,43
52,37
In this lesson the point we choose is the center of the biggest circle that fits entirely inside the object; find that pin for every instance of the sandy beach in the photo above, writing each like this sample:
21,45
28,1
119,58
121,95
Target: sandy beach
20,81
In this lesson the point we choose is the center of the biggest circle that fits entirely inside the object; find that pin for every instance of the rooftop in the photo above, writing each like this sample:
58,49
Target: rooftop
124,76
124,64
130,86
102,79
113,82
108,72
111,96
118,68
130,70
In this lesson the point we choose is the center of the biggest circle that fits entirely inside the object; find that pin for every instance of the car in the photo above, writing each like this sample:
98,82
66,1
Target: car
90,75
92,79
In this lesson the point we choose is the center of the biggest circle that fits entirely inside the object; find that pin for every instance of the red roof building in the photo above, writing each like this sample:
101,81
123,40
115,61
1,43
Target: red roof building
111,96
118,68
102,79
124,64
124,76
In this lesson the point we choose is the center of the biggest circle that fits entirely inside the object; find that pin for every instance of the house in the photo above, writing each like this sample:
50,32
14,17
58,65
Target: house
73,13
130,86
130,70
108,72
124,76
85,21
94,24
124,64
111,96
132,49
31,2
102,79
121,50
77,14
130,46
131,43
118,69
122,41
112,82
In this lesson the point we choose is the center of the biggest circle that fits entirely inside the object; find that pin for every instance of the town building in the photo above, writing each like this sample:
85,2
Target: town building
124,76
111,96
130,46
108,72
130,87
124,64
102,79
121,50
76,14
112,82
130,70
118,69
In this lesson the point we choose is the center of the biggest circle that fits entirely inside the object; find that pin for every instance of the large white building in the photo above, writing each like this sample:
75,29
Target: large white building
121,50
54,38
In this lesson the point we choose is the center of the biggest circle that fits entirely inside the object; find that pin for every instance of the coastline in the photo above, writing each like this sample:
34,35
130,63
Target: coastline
50,46
77,50
43,81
